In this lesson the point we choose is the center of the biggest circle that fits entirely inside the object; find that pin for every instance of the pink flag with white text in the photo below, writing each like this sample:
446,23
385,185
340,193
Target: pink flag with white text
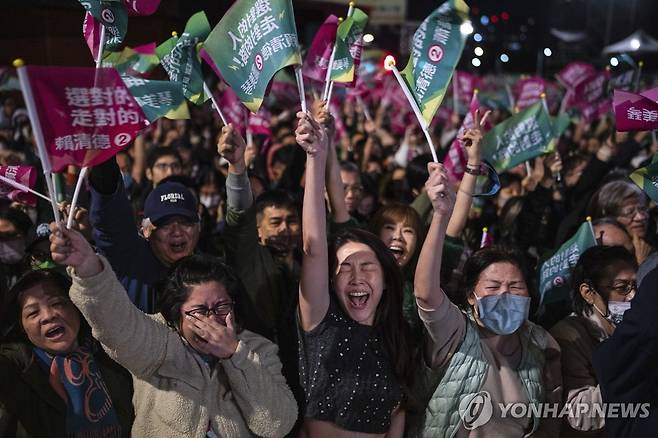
317,58
574,73
234,111
528,92
635,112
24,175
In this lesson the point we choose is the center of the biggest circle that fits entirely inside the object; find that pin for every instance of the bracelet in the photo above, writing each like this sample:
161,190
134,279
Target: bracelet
473,170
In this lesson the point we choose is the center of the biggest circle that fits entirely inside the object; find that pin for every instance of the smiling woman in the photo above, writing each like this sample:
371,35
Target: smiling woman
50,342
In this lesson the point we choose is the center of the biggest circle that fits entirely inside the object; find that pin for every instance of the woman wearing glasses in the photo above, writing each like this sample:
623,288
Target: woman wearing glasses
603,287
195,372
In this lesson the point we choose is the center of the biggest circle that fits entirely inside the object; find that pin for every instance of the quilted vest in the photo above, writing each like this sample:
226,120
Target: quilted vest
466,372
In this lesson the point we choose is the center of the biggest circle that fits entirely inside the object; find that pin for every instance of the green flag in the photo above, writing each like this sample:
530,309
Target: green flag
110,13
349,44
180,57
136,61
520,138
560,124
158,98
436,48
254,40
646,178
555,272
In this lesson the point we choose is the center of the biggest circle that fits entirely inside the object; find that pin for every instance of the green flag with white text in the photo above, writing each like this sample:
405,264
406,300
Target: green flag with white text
158,98
349,45
520,138
646,178
180,58
435,51
254,40
555,272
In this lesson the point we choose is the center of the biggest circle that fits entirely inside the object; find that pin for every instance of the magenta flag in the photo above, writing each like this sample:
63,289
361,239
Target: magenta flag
234,111
24,175
456,159
87,115
589,94
467,83
574,73
635,112
651,94
259,123
317,59
142,7
528,92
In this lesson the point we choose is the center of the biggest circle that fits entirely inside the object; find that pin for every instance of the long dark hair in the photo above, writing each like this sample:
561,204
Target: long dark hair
190,271
389,321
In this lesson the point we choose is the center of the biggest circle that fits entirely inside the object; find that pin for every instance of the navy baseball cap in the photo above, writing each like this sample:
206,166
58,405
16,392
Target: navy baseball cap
170,199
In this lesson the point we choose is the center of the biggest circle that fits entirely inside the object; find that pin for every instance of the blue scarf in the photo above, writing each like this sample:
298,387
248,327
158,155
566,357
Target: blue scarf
77,380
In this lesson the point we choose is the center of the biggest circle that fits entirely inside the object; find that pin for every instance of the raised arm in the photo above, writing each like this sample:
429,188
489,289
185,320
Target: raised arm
232,147
471,140
335,190
103,302
314,283
427,287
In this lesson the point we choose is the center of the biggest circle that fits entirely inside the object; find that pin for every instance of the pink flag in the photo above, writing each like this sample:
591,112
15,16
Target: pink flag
24,175
487,238
233,109
574,73
466,84
87,115
651,94
259,123
142,7
91,29
317,59
528,91
634,112
456,159
587,95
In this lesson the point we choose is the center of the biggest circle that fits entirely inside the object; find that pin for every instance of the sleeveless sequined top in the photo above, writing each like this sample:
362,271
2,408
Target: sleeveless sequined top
346,376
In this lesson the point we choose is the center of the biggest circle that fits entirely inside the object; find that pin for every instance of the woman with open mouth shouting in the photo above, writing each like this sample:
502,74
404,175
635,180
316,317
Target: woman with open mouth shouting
356,352
54,376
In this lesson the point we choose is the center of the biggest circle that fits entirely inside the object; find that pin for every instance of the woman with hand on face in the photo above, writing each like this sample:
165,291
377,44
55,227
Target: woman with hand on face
195,373
54,377
356,352
488,353
604,285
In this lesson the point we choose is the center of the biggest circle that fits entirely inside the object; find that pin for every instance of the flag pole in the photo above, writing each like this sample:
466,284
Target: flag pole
38,134
485,235
83,172
206,90
366,111
22,187
636,86
300,86
389,64
248,134
455,93
328,83
591,228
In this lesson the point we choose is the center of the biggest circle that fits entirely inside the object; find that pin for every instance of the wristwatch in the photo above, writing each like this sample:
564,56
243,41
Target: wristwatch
473,170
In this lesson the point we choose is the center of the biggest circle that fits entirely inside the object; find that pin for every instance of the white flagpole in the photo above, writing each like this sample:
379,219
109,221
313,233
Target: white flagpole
389,64
83,172
328,83
206,90
455,92
300,86
38,134
248,134
366,111
22,187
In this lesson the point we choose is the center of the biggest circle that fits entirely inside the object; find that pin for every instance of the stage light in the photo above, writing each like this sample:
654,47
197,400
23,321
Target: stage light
476,62
466,28
477,37
614,61
504,58
547,52
368,38
635,44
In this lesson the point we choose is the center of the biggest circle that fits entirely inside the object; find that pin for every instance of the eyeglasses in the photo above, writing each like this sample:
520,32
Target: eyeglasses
631,212
220,311
623,287
175,167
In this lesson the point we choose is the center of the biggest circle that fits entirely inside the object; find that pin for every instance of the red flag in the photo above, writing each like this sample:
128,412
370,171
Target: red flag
634,112
259,123
87,115
317,59
24,175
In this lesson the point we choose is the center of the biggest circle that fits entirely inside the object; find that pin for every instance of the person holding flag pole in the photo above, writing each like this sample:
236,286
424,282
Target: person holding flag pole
389,64
38,135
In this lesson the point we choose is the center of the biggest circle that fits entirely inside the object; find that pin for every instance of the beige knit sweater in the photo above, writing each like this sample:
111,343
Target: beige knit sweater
176,393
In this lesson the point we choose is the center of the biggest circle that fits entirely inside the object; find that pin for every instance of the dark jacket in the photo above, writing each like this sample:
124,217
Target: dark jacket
26,392
116,237
626,364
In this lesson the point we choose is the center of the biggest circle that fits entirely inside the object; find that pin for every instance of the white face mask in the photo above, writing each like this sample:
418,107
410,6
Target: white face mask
616,310
210,201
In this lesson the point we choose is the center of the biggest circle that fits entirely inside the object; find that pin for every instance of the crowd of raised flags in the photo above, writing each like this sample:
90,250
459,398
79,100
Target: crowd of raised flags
83,116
